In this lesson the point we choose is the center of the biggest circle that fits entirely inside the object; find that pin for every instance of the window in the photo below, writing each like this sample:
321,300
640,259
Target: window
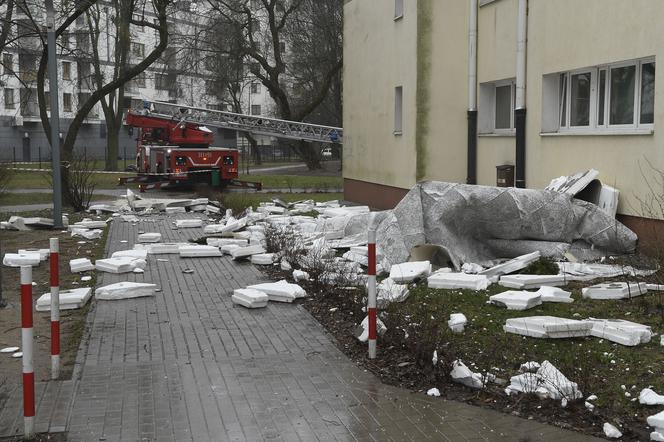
255,109
8,63
66,70
139,80
398,9
9,99
138,49
66,102
64,39
611,98
398,110
160,81
255,88
496,109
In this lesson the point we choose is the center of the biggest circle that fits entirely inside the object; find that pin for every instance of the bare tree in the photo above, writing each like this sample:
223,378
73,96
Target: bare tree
298,79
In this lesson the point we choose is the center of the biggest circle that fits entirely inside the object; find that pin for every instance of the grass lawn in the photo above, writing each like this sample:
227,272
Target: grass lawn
296,181
40,180
15,199
239,201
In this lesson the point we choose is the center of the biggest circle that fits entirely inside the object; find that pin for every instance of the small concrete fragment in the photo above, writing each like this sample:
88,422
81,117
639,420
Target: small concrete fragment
512,265
69,299
220,242
611,432
198,251
410,271
433,392
264,259
281,291
389,291
457,322
548,327
649,397
150,237
461,374
364,326
657,422
188,223
249,298
548,382
125,290
554,294
87,233
81,265
621,331
447,280
21,259
516,300
243,252
615,290
299,275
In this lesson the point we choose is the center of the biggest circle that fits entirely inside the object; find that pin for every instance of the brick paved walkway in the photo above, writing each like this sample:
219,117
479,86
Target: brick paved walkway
188,365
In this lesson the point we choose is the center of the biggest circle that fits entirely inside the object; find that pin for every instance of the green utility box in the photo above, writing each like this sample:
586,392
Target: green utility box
215,178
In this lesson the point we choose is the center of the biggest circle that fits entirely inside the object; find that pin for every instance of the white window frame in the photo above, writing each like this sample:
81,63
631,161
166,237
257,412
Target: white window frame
487,108
398,110
502,83
606,128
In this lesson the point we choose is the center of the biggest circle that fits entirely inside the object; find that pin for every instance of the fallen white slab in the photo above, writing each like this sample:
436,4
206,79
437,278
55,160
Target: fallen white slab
461,374
517,300
227,249
655,287
410,271
199,251
389,291
150,237
547,327
657,422
264,259
81,265
621,331
164,248
512,265
243,252
547,382
615,290
21,259
88,224
586,272
188,223
69,299
457,322
121,264
526,282
364,325
447,280
125,290
43,253
87,233
281,291
554,294
219,242
131,253
649,397
611,432
174,210
250,298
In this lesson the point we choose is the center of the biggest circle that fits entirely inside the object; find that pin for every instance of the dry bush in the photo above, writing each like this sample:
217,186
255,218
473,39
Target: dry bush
78,181
6,175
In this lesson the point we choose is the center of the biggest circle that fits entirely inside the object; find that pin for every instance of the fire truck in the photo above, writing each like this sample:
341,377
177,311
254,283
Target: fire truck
174,143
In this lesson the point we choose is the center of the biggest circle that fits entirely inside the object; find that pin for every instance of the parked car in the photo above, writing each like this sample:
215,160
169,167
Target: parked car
326,153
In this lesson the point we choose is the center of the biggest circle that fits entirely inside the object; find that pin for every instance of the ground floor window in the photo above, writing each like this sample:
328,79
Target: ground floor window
496,110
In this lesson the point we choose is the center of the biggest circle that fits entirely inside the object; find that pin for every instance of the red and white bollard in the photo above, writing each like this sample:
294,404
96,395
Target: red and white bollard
371,298
55,308
26,344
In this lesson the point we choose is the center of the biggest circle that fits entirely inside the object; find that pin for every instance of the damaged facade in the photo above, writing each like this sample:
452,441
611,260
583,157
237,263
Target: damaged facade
588,96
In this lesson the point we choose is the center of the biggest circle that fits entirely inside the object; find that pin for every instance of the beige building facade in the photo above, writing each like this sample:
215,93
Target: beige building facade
591,99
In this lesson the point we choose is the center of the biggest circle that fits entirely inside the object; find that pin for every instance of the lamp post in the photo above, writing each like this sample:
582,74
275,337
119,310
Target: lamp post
55,115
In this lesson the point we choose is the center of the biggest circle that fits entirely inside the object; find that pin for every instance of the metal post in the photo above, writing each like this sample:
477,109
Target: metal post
39,155
14,153
26,346
371,298
3,304
55,308
55,115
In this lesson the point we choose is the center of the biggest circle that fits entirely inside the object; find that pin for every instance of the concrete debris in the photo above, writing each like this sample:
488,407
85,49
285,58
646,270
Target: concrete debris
463,375
80,265
471,268
21,223
517,300
649,397
249,298
554,294
122,264
130,218
243,252
125,290
9,350
43,253
227,249
220,242
281,291
615,290
457,322
265,259
69,299
586,186
86,233
150,237
363,335
410,271
547,327
547,382
527,282
21,259
657,422
299,275
188,223
285,266
446,280
174,210
433,392
513,265
164,248
655,287
89,224
131,253
586,272
388,291
621,331
611,432
198,251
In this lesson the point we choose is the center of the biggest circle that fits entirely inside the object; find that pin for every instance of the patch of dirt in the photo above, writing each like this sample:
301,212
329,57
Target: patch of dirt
72,322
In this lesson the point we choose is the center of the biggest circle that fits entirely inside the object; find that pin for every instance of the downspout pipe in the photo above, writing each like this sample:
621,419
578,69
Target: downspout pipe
520,105
471,177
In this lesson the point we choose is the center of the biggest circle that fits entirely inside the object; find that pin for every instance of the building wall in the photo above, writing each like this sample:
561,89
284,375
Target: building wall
379,55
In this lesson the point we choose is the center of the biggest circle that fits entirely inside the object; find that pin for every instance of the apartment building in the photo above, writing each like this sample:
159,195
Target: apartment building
451,90
180,75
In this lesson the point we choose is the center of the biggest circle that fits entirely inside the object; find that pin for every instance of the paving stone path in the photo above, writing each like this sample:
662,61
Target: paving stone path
187,365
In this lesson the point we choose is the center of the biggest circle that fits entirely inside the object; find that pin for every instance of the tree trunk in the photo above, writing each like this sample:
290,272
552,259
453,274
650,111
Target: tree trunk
112,148
309,154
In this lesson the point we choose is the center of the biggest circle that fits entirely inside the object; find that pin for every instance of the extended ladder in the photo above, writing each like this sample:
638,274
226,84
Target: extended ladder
248,123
